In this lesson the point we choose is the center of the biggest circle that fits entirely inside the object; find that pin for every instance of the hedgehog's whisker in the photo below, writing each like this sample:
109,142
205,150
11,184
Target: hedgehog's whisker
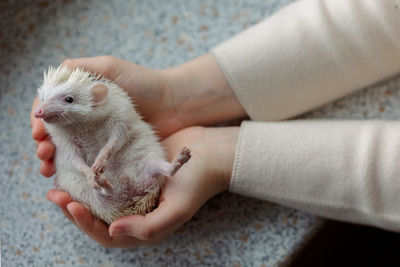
68,118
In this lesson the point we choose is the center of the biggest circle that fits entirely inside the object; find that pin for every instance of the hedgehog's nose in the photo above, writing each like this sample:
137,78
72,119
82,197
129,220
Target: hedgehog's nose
39,113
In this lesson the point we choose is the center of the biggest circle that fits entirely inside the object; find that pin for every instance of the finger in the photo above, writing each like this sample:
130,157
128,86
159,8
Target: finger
104,65
94,228
47,168
38,130
68,215
45,149
34,105
165,218
61,199
97,230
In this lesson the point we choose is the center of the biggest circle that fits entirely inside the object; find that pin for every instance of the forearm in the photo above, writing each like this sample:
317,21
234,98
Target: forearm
310,53
345,170
116,141
302,57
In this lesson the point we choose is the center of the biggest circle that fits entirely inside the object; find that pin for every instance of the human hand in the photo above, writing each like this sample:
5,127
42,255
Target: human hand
205,175
146,86
195,93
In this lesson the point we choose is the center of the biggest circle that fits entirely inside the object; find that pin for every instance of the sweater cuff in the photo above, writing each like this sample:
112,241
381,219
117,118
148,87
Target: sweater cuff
223,55
345,170
238,157
243,181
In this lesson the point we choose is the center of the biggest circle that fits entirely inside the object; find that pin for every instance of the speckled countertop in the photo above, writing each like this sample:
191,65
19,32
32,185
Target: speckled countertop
229,230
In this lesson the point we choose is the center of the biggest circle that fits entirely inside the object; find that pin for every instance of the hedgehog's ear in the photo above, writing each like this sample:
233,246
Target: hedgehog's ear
99,92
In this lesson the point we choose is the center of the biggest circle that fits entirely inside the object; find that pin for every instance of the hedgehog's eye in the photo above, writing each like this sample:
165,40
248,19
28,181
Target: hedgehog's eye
69,99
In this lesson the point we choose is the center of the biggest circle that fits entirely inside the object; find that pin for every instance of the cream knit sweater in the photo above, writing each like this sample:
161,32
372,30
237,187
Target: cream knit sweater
304,56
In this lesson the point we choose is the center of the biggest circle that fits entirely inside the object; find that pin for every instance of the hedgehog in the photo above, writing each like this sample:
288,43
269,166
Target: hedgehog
107,157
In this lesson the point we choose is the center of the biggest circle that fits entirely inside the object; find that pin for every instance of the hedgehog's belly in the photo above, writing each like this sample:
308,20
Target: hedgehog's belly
79,189
89,147
129,197
107,207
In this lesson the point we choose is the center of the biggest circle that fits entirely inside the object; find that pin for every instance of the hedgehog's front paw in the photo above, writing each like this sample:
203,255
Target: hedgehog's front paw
92,179
103,185
99,167
106,187
99,183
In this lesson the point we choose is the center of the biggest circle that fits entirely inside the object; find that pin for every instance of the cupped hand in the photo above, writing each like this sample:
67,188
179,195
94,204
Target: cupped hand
150,90
206,174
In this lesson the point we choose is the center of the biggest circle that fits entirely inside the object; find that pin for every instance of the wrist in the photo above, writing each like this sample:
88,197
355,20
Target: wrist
200,93
221,144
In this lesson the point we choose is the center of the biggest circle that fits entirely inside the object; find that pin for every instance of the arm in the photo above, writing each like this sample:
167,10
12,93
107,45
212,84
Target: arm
345,170
298,59
310,53
304,56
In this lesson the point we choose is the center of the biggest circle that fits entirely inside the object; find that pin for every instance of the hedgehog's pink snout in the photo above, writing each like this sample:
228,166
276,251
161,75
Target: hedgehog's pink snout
39,112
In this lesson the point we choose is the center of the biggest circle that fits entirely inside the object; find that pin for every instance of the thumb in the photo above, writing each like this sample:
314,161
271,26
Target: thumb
38,130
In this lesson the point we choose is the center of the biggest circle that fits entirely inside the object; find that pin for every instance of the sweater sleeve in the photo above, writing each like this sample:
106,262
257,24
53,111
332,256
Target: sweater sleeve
345,170
309,53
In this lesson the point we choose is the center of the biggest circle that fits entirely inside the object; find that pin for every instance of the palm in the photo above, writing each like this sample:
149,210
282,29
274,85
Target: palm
182,195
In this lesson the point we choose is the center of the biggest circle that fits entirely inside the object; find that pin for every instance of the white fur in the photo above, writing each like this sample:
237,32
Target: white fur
83,129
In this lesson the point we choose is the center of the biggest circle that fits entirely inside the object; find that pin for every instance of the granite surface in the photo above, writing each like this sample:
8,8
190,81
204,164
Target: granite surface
229,230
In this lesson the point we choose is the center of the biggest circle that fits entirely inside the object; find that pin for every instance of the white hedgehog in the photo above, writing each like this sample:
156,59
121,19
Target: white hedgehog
107,157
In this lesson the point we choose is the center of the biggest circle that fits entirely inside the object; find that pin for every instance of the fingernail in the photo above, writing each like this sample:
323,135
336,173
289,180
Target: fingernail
69,208
120,231
50,196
